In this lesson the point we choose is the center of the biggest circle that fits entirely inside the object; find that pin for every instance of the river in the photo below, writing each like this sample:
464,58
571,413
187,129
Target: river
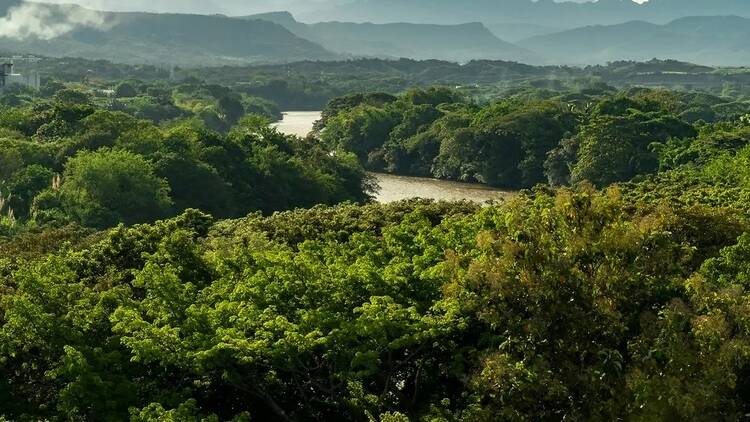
395,188
298,123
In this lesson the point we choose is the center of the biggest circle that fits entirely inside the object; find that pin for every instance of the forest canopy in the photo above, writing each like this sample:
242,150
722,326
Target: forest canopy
73,158
411,311
531,136
166,255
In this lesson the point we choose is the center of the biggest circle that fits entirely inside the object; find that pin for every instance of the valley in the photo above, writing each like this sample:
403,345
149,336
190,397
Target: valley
374,211
393,188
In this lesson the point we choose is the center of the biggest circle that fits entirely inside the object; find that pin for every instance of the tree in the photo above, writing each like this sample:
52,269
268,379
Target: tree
125,90
106,187
617,148
433,96
50,88
27,184
73,97
231,109
360,130
514,144
10,162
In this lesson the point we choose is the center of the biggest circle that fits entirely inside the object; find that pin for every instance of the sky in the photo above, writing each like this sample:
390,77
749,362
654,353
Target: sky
229,7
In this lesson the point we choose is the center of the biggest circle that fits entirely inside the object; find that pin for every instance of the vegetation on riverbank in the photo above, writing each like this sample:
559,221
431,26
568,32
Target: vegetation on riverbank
412,311
182,268
532,136
309,85
71,158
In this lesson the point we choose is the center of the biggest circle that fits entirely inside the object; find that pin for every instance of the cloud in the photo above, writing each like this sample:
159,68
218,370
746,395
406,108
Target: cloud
160,6
32,20
230,7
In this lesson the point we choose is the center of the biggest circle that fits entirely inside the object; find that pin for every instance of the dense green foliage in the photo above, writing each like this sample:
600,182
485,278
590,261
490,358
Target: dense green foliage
161,100
310,85
75,159
530,136
620,297
570,305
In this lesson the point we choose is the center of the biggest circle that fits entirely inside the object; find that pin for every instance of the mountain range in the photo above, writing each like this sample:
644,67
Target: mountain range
461,42
540,32
560,14
180,39
715,40
557,14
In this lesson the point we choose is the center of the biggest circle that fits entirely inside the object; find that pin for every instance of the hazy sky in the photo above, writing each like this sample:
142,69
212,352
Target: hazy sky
198,6
230,7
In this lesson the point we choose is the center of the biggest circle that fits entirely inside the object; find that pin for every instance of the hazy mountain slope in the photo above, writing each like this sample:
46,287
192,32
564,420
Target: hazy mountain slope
288,21
718,40
418,41
544,12
598,43
180,39
513,31
7,4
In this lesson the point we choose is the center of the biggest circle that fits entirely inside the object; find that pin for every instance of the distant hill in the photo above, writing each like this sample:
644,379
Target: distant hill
182,39
5,5
715,40
216,40
462,42
513,31
546,13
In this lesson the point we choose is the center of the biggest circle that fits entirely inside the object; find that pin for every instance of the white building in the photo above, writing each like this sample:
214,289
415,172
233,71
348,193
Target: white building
8,77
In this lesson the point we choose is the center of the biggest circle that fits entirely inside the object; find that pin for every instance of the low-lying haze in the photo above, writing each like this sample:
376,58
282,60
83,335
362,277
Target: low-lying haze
33,20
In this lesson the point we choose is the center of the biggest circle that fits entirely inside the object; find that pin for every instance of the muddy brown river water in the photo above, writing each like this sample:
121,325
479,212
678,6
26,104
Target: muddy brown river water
395,188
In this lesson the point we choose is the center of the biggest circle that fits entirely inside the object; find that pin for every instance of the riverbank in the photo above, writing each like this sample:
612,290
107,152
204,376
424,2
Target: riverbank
299,123
394,188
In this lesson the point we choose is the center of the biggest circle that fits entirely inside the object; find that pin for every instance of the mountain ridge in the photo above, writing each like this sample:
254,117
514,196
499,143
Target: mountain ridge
715,40
546,13
170,38
279,37
460,42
